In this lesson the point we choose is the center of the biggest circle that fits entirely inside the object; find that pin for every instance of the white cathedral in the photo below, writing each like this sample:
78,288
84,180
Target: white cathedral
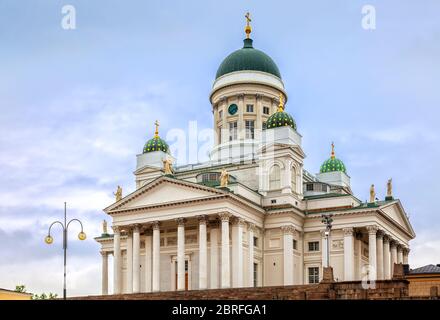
251,215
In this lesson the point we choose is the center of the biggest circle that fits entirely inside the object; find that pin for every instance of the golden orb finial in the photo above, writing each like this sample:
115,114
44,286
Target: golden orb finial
333,151
156,132
281,104
248,28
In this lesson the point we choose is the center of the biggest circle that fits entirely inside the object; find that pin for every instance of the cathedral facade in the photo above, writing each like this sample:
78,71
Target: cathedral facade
252,215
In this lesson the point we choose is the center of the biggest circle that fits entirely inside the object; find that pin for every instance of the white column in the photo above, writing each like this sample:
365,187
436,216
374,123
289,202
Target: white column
250,229
399,254
203,254
116,261
180,254
136,259
393,246
225,271
258,111
104,272
237,253
348,254
386,258
379,255
148,260
323,249
213,284
405,255
129,263
288,254
372,259
156,257
358,247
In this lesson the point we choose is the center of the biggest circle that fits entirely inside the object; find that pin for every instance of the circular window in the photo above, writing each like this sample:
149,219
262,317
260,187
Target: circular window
233,108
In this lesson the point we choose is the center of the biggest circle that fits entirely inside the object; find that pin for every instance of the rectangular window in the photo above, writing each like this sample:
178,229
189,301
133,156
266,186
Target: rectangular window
232,131
314,246
309,187
266,110
220,114
255,242
250,129
249,108
255,274
313,275
295,244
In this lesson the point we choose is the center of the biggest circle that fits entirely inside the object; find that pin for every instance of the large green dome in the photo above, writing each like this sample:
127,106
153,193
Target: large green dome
333,164
248,58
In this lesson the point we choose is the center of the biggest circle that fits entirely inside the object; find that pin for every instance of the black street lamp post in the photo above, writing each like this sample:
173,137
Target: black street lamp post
327,220
65,226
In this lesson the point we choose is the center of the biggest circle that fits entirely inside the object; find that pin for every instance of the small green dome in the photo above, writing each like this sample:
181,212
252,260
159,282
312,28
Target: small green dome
280,119
248,58
333,164
156,144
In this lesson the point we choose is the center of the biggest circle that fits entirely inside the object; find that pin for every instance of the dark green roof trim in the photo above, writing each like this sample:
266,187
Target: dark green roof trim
327,195
250,59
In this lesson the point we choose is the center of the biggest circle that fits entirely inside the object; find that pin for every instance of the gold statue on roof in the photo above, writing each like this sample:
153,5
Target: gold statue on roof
118,194
372,194
167,166
224,178
390,188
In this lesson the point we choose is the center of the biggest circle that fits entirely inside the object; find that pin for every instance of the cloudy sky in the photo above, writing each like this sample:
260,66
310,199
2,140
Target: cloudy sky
78,105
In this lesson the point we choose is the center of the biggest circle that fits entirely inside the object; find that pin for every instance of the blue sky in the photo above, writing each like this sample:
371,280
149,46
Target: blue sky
78,105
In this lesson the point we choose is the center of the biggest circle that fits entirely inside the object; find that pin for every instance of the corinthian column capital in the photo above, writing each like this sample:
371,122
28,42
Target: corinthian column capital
348,231
225,216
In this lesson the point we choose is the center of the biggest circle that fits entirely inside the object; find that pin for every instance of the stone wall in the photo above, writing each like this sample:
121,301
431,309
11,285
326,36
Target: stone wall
387,289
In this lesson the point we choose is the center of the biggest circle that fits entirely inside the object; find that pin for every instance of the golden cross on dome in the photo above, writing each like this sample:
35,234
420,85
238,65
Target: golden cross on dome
156,133
281,104
248,28
333,150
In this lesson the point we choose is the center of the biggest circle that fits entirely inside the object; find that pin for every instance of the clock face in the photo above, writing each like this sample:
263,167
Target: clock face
233,108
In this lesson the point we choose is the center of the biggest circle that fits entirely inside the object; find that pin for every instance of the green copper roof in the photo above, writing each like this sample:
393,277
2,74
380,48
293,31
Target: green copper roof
156,144
280,119
332,164
248,58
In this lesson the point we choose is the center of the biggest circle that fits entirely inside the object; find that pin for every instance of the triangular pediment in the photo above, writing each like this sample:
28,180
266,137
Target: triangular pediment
396,212
162,191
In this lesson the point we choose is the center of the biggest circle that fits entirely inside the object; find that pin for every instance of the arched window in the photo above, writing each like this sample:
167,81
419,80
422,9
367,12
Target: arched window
274,178
293,180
